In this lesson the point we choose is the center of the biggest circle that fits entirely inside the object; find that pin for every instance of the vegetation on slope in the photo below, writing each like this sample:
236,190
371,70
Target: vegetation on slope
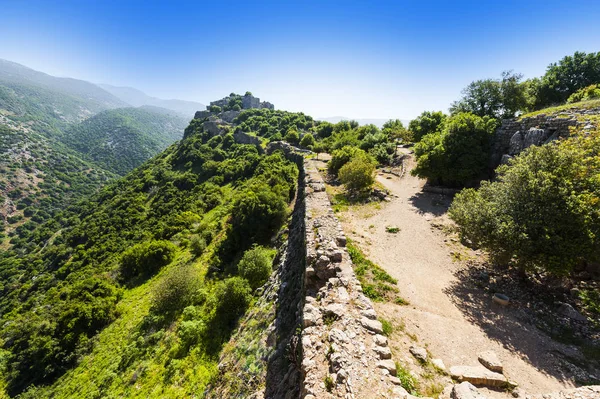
121,139
70,302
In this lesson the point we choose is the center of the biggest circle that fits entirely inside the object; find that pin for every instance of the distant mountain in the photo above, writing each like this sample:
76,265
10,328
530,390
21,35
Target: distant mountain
375,121
61,139
121,139
138,98
89,97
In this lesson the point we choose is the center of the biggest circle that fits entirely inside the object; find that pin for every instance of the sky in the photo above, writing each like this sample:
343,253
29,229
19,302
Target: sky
359,59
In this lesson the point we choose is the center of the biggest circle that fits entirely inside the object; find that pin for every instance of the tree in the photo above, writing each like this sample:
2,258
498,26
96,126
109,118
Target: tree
542,212
342,156
587,93
292,136
494,98
146,258
395,130
426,123
459,154
358,175
308,140
566,77
255,266
215,109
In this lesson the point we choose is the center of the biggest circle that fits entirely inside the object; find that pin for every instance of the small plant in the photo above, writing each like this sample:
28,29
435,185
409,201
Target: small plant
407,380
329,384
392,229
386,326
329,320
401,301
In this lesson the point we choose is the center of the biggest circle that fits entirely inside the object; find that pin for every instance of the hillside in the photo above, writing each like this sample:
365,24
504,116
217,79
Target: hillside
138,98
121,139
133,292
62,139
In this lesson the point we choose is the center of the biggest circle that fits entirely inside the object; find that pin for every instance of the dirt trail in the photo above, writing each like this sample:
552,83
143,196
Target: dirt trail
419,256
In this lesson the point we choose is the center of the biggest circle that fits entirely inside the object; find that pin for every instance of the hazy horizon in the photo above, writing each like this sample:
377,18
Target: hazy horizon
357,60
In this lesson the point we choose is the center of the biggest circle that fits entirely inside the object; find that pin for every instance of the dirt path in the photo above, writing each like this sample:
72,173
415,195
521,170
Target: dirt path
420,257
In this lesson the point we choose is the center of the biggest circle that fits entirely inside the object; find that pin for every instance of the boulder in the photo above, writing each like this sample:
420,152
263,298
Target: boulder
372,325
478,375
491,361
419,353
569,311
534,137
438,363
383,352
380,340
465,390
388,365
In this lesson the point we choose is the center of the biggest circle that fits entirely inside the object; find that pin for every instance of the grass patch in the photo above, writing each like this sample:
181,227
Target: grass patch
591,301
407,380
564,107
392,229
386,326
329,384
377,284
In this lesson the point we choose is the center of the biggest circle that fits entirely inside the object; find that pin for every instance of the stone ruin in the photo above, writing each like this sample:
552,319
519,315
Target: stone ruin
248,102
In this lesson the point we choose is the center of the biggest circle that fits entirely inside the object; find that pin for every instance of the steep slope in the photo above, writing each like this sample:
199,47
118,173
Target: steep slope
121,139
138,98
133,292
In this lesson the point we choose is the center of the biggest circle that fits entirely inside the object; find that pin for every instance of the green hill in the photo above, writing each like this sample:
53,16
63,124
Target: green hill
121,139
133,292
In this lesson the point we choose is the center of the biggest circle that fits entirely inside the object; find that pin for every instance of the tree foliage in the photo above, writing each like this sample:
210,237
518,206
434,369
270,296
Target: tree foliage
459,154
255,266
542,212
426,123
358,175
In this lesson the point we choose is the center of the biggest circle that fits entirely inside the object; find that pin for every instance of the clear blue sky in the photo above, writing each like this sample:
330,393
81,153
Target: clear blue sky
367,59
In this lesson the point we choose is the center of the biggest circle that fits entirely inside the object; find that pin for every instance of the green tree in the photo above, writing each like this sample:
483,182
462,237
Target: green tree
146,258
566,77
255,266
460,154
395,130
542,211
215,109
292,136
358,175
426,123
342,156
308,140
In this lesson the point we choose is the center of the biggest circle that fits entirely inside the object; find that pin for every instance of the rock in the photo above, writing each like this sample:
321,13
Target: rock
395,380
518,393
388,365
322,262
372,325
465,390
342,376
516,144
369,314
380,340
491,361
534,137
384,352
438,363
335,309
336,335
336,256
478,375
419,353
569,311
341,240
309,319
399,391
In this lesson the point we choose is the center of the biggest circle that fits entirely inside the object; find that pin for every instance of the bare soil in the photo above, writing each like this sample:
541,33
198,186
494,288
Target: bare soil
452,319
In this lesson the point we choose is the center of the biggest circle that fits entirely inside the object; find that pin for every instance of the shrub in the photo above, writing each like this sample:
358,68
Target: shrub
215,109
292,136
358,175
587,93
459,154
307,140
197,245
229,300
542,212
146,258
340,157
255,266
427,123
176,290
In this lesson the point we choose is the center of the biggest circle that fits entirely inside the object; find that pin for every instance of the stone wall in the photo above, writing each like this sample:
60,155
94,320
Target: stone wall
513,136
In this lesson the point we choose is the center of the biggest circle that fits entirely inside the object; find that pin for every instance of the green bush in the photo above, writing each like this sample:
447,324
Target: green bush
358,175
255,266
542,212
176,290
307,140
228,301
197,245
587,93
426,123
292,136
146,258
459,154
340,157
